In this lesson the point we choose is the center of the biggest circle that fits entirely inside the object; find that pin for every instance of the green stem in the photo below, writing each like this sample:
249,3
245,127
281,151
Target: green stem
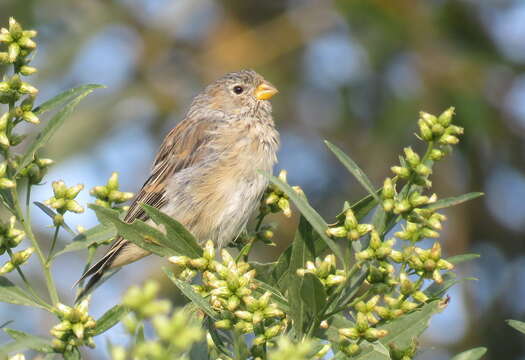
26,223
28,286
53,243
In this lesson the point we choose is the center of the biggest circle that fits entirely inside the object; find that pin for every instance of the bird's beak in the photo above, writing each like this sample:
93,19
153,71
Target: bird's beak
265,91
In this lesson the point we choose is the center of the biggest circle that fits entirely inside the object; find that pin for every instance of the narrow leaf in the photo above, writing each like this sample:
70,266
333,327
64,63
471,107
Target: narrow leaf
9,293
95,235
518,325
130,232
32,342
64,97
404,330
310,214
462,258
188,291
472,354
110,319
354,169
52,214
453,201
53,125
179,239
313,294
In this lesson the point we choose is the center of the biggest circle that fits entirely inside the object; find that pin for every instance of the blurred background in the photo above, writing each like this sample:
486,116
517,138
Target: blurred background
354,72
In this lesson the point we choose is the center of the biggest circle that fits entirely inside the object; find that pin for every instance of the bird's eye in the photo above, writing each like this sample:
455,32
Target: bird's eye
238,89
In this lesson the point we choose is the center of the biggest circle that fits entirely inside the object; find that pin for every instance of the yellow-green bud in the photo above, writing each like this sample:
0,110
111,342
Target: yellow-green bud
400,171
446,117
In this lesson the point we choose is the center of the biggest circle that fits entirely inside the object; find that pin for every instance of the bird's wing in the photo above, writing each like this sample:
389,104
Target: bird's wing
184,146
181,148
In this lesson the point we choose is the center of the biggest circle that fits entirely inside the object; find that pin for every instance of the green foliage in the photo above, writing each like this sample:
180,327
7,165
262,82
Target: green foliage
350,289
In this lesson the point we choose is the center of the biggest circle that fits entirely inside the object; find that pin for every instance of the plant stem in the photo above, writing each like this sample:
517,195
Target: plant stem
36,297
53,243
26,223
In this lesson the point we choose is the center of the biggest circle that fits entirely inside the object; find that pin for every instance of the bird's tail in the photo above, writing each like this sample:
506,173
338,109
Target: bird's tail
97,271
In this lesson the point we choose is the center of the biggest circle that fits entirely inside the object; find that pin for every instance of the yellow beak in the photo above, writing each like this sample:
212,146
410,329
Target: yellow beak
265,91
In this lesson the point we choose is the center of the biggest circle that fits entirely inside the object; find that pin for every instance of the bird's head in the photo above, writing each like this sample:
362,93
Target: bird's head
237,93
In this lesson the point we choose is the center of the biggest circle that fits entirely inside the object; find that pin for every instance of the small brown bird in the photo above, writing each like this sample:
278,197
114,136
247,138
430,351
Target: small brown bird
206,173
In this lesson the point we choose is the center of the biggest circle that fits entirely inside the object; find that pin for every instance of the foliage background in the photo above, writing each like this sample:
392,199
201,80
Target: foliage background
355,72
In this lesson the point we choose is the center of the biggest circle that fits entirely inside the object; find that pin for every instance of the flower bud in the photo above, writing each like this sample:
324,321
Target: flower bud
350,333
272,331
389,190
436,154
402,172
284,205
223,324
6,183
338,231
412,157
373,334
446,117
27,70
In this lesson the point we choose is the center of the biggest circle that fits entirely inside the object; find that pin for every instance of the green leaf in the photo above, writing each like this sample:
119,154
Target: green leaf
472,354
453,201
335,323
29,341
518,325
53,125
178,238
64,97
354,169
310,214
52,214
462,258
375,351
405,329
110,319
131,232
188,291
313,294
95,235
9,293
302,251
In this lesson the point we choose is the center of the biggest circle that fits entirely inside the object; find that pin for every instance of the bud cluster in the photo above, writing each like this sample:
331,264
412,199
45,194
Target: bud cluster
109,195
175,333
439,128
18,42
363,328
325,270
350,228
17,259
10,236
75,329
36,170
63,199
228,285
275,200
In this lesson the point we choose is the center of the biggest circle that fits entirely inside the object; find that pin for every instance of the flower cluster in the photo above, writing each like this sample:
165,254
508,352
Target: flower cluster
363,328
229,287
36,170
350,228
275,200
175,333
63,199
75,329
17,259
287,350
10,236
19,44
109,195
325,270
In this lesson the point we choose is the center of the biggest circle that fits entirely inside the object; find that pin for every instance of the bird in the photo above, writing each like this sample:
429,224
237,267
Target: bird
207,173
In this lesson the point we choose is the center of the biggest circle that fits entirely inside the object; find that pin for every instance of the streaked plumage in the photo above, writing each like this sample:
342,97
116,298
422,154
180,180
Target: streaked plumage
205,174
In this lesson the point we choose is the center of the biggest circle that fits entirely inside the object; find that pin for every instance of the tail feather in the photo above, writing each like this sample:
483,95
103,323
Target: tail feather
97,272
